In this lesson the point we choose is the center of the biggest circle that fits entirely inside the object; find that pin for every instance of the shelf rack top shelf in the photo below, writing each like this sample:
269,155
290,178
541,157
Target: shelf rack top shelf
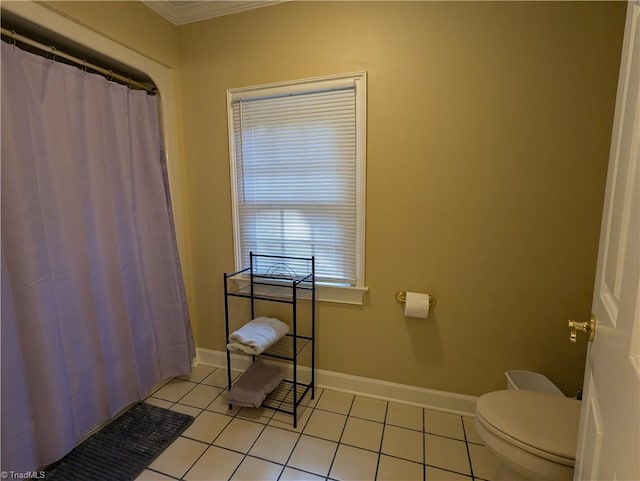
296,269
273,277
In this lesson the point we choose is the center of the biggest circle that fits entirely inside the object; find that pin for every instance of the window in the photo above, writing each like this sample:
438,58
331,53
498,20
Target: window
297,153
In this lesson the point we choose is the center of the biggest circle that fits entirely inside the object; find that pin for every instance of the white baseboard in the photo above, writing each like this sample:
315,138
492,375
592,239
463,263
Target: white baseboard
460,404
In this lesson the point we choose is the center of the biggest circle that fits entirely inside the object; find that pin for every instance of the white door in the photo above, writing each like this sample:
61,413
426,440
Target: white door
609,437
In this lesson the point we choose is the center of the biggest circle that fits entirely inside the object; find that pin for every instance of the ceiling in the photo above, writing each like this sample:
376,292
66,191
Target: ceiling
181,12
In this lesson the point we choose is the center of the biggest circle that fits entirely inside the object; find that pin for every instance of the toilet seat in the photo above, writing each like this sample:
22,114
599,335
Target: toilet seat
543,425
533,433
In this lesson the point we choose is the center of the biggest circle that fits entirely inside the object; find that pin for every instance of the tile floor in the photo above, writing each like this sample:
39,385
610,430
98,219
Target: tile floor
339,437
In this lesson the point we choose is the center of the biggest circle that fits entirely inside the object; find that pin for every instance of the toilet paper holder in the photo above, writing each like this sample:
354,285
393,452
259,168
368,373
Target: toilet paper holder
401,297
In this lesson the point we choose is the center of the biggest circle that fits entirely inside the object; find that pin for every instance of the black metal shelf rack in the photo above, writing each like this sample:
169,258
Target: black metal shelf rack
283,279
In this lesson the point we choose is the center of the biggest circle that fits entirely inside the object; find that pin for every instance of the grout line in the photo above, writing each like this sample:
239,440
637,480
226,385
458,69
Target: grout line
159,472
171,400
214,439
359,447
286,465
384,420
282,465
466,445
423,430
196,460
300,433
245,455
424,447
192,439
440,468
302,428
353,399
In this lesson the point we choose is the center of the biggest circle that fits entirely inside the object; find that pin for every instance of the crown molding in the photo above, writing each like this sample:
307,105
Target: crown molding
184,12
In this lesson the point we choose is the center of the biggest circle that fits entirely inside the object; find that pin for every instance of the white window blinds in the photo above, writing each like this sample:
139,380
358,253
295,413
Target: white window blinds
294,160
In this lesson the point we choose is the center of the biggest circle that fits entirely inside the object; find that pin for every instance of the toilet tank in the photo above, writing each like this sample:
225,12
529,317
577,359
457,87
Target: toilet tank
531,381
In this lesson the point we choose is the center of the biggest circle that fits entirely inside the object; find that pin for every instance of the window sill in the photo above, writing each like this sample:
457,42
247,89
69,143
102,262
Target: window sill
324,292
341,294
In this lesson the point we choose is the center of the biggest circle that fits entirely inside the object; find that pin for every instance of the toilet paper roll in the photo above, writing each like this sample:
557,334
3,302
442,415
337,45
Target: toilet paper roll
416,305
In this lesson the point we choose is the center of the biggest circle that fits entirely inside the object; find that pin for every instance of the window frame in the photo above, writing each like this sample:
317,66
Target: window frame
325,291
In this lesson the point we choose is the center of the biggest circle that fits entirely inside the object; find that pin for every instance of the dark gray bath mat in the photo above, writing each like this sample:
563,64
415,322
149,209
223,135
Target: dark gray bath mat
122,449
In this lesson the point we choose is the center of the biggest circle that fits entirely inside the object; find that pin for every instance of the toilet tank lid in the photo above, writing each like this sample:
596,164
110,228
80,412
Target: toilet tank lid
545,422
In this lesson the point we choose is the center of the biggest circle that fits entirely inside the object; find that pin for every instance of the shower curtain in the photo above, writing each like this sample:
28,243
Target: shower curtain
93,305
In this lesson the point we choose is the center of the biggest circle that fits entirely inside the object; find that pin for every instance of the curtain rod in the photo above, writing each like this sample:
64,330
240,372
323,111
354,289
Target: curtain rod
81,62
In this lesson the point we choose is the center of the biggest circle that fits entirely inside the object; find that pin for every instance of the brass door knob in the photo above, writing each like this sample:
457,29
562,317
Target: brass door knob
588,327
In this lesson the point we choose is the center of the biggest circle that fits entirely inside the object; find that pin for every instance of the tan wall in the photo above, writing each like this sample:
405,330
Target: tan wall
488,137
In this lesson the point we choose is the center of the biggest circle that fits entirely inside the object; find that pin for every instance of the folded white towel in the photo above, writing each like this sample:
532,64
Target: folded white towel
257,335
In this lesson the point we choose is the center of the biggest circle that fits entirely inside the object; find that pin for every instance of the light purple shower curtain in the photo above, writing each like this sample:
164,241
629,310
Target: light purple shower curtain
93,305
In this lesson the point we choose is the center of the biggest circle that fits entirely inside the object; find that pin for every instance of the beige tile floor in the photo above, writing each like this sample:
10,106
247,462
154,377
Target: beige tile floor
339,437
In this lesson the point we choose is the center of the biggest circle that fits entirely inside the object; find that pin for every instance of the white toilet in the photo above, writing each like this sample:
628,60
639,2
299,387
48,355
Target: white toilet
533,434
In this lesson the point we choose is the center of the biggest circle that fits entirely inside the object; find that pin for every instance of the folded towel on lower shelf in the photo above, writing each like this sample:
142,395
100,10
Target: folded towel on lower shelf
257,335
253,386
